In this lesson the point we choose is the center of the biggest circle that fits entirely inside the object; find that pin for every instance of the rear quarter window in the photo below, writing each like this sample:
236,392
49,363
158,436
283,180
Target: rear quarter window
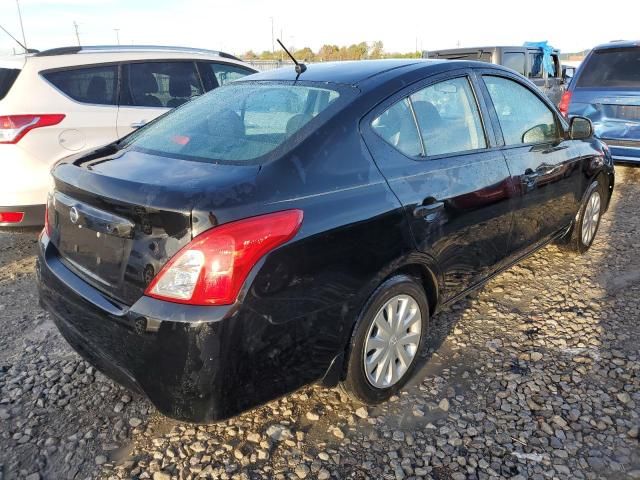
92,85
7,78
612,67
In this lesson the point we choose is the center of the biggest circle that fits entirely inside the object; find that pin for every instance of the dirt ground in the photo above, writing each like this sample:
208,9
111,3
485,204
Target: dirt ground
536,376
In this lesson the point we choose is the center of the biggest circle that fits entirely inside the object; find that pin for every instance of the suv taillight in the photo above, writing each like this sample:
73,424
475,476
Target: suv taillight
563,106
14,127
212,268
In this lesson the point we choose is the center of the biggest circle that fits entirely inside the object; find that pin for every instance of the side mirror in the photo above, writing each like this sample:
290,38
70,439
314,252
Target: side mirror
580,128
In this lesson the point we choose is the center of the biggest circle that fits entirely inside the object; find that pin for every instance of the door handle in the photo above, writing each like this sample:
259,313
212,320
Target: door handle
428,212
139,124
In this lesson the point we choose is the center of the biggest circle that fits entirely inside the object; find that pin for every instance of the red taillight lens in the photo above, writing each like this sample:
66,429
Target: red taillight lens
212,268
47,225
563,106
14,127
11,217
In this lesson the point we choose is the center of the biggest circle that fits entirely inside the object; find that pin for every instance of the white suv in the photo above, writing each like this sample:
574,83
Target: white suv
65,100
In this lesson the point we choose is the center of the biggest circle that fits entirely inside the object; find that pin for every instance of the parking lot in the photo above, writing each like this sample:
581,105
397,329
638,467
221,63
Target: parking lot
536,376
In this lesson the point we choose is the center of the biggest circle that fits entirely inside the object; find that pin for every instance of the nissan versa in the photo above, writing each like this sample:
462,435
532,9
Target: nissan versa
295,228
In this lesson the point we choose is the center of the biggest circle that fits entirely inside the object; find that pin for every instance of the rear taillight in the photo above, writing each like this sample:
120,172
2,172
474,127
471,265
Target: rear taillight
47,225
14,127
213,267
11,217
563,106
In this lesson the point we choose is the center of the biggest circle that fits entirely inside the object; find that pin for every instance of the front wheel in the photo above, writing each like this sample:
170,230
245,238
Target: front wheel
588,220
387,340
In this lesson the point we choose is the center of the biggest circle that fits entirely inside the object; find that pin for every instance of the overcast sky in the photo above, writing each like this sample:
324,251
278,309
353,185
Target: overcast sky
240,25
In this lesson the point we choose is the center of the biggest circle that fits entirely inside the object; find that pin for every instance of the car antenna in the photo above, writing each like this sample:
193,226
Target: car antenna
300,67
18,41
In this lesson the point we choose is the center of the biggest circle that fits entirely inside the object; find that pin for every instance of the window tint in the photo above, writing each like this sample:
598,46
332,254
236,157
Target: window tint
514,61
397,126
448,117
615,67
96,85
160,84
7,77
237,123
523,117
227,73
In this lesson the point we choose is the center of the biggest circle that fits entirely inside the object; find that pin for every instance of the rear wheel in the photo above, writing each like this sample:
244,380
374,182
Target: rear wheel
387,340
586,225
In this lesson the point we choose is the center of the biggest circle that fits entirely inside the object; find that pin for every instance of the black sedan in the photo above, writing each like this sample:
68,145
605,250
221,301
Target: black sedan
288,229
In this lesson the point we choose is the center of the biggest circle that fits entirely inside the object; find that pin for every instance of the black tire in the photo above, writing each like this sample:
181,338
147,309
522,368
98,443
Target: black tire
574,241
356,384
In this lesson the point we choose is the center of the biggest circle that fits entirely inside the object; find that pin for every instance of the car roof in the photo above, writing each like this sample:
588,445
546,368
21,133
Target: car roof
89,55
129,48
349,72
618,44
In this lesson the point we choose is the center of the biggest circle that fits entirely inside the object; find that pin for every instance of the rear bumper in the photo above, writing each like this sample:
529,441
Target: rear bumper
33,216
624,151
196,364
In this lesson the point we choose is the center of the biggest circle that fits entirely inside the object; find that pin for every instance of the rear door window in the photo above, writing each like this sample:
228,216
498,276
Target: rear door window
514,61
397,127
7,77
92,85
612,67
448,117
160,84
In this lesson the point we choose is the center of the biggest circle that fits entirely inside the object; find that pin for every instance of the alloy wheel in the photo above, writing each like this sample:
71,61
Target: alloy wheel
392,341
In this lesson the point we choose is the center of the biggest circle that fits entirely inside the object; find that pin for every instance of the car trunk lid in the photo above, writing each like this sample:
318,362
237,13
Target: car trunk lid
116,219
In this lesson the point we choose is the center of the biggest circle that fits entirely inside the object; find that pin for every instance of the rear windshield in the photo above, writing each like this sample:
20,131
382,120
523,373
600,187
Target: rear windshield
615,67
7,77
239,122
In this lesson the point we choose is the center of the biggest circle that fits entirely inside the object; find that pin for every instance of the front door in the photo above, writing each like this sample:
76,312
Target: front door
544,166
430,143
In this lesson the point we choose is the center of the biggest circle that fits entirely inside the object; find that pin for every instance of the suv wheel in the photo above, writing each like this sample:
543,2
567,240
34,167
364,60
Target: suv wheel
388,337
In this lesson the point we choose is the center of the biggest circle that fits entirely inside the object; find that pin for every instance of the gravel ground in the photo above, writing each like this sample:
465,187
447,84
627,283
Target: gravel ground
536,376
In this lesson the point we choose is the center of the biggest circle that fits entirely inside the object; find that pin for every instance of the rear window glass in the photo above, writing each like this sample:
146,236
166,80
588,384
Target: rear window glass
237,123
615,67
7,77
514,61
94,85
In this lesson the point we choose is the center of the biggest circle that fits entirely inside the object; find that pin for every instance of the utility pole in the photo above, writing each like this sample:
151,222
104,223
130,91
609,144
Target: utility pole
24,39
273,45
117,30
75,25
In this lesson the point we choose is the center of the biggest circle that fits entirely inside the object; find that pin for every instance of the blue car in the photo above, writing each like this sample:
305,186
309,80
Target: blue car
606,89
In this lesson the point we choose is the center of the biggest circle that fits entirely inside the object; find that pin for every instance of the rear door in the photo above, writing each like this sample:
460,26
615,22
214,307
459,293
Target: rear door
149,89
545,167
431,144
607,90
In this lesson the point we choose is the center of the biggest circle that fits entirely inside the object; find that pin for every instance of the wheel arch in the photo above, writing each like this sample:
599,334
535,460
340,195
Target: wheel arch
416,265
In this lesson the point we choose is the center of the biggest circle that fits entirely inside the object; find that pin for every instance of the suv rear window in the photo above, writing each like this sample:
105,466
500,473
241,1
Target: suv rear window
7,77
237,123
94,85
612,67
